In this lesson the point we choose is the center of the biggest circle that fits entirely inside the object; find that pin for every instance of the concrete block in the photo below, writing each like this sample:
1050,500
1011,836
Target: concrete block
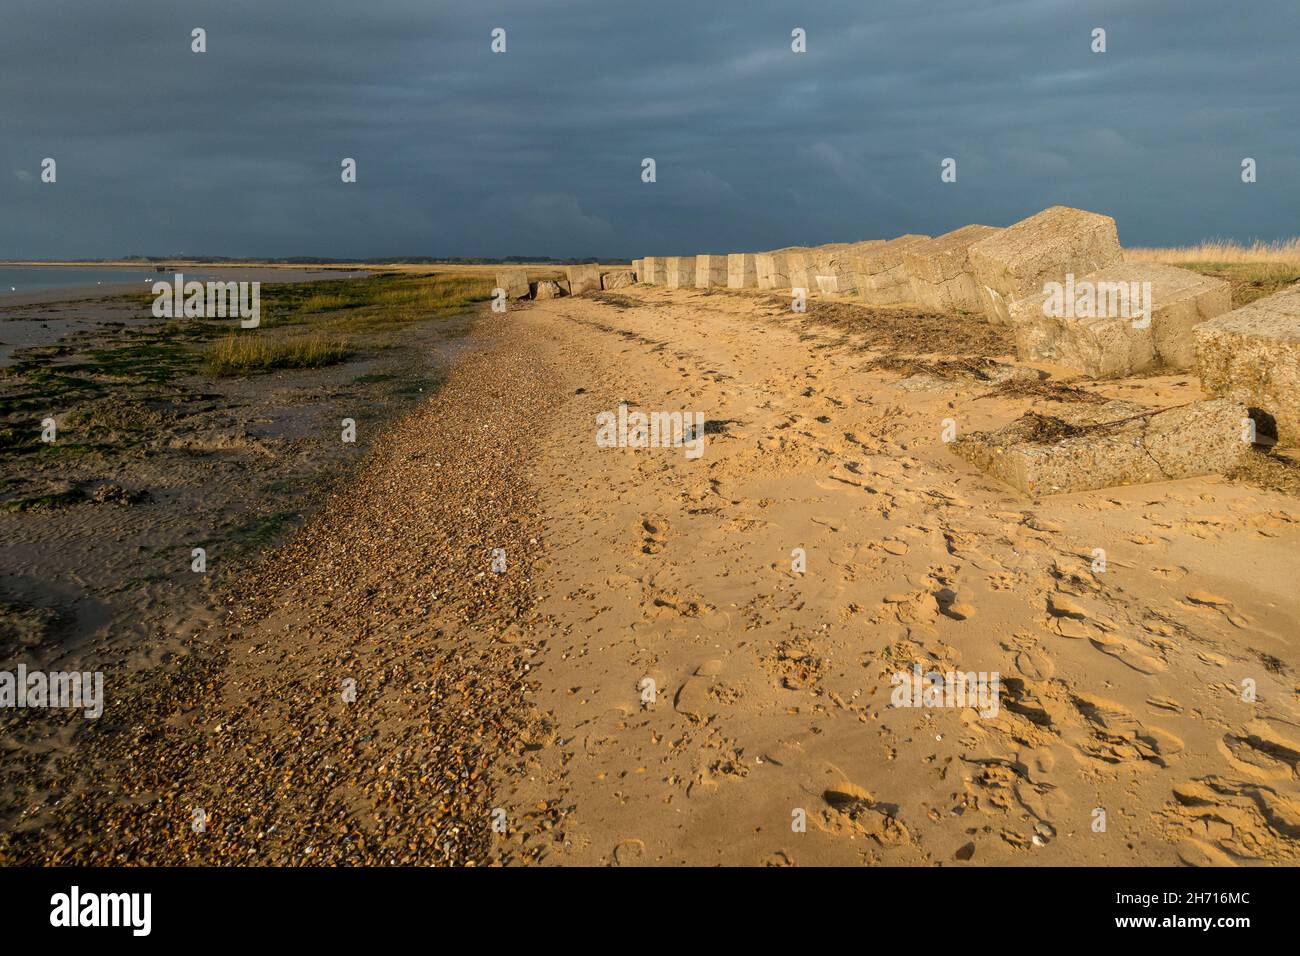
940,270
548,289
1252,355
741,272
583,279
1018,261
879,275
836,265
1086,447
656,270
710,272
617,280
773,268
515,282
801,269
681,272
1119,320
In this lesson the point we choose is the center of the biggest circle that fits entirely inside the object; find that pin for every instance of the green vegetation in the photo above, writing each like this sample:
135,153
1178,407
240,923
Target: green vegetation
1249,280
1253,270
382,301
55,499
113,384
243,353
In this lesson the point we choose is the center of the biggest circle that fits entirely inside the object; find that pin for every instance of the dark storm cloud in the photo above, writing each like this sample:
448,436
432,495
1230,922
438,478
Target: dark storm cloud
538,151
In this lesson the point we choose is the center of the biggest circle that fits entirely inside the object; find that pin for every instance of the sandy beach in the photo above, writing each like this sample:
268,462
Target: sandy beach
645,673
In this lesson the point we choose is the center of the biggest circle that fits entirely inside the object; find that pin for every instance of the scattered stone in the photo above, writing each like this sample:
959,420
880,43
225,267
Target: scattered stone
583,279
1018,261
710,272
741,273
617,280
1115,330
548,289
111,493
1084,447
879,275
1252,355
514,281
940,270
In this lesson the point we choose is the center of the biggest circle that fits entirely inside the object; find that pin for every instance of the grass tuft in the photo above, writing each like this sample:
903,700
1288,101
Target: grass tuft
244,354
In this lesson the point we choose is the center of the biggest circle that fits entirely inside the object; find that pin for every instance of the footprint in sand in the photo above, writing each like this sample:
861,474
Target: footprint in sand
1218,816
654,534
1263,751
1128,652
1206,600
1117,736
950,607
1035,665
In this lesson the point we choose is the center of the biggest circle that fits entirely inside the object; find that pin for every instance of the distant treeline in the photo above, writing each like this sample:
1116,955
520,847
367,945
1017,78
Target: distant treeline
393,260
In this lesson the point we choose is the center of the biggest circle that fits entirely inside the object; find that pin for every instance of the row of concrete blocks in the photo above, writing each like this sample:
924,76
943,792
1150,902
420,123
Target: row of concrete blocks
1018,275
577,280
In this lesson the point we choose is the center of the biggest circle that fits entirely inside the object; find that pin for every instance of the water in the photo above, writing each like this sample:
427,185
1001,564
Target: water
19,279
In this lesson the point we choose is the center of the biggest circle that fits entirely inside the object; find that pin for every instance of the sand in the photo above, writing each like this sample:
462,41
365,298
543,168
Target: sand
1122,688
651,682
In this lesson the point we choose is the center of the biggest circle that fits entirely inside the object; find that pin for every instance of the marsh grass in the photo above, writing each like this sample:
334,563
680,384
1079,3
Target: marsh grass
244,353
374,303
304,325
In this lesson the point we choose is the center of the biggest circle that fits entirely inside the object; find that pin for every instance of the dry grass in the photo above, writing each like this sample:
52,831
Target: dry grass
244,353
1225,251
1275,472
1044,388
1253,271
913,332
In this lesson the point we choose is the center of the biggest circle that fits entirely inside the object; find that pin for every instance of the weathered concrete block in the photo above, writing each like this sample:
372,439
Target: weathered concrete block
1119,320
656,270
1101,446
583,279
836,265
1100,347
636,269
710,271
617,280
940,270
773,268
1252,355
1016,262
548,289
515,282
741,271
879,274
681,272
801,269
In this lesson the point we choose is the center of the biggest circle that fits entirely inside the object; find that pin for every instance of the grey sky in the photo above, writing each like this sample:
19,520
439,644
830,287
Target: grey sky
538,151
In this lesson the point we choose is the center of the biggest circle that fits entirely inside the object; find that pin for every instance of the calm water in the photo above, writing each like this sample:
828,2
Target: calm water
16,279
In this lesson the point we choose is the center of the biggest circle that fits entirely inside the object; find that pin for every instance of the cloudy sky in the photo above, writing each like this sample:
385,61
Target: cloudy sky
538,151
